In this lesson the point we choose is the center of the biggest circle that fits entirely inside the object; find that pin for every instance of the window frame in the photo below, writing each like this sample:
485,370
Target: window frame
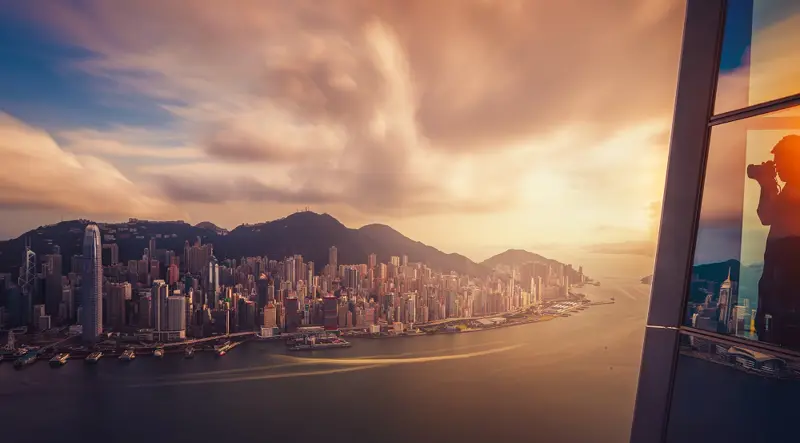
693,121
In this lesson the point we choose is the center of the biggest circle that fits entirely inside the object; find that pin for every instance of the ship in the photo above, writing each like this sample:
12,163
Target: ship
222,350
159,352
128,355
312,344
59,360
94,357
27,359
612,299
189,352
20,352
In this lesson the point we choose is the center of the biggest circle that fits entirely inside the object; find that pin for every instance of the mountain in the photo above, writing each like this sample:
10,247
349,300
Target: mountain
647,280
512,258
211,227
515,257
306,233
131,237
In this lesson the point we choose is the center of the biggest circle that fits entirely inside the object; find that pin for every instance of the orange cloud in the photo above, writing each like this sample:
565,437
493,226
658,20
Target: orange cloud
39,174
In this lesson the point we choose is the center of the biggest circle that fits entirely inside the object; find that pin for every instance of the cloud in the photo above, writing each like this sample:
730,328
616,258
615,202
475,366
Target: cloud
643,248
37,173
126,142
386,99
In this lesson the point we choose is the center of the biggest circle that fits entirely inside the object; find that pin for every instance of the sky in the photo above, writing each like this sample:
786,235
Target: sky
471,125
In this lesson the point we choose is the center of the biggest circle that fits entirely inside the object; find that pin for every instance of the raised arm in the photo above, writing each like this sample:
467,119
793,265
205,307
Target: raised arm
767,202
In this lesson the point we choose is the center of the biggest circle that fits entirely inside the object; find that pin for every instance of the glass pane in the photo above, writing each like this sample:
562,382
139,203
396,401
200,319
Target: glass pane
731,393
760,53
747,254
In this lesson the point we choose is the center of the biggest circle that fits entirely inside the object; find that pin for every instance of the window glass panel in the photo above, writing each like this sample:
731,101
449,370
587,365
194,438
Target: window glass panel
746,273
760,58
731,393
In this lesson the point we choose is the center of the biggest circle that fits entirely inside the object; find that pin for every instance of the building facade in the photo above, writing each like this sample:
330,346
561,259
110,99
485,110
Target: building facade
721,358
92,285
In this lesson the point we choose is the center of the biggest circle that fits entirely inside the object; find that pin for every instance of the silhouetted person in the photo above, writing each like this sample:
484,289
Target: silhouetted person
778,314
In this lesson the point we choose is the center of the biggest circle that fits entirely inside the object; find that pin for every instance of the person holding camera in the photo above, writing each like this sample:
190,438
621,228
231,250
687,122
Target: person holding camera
778,315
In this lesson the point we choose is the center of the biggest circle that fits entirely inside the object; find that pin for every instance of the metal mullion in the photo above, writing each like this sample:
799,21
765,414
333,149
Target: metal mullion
756,110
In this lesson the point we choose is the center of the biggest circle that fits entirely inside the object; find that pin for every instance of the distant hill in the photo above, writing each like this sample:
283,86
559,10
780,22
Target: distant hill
211,227
131,238
306,233
647,280
515,257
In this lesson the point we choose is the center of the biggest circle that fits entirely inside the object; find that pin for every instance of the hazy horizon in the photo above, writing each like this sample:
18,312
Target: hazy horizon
633,264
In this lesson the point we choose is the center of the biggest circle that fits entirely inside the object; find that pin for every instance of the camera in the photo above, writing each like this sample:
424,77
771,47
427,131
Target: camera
765,170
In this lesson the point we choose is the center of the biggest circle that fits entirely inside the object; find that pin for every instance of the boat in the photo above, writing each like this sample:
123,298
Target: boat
94,357
612,298
223,349
159,352
128,355
313,344
59,360
189,352
20,352
27,359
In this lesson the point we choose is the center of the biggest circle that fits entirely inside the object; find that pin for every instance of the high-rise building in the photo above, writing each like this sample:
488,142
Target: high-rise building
159,296
330,319
372,261
113,253
176,313
333,261
172,274
92,285
118,295
212,282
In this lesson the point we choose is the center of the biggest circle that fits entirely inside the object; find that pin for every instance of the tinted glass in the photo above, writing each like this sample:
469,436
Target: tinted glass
726,392
760,53
747,254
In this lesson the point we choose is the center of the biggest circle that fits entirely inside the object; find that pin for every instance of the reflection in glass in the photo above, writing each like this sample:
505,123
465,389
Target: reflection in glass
724,391
760,58
746,274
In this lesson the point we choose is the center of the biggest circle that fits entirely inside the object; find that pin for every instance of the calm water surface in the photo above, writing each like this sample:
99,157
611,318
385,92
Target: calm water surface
570,379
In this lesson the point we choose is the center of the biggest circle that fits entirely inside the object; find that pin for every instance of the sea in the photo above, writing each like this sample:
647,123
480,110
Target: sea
569,379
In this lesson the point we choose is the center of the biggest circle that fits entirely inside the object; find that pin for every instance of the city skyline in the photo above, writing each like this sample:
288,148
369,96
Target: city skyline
432,149
166,296
300,219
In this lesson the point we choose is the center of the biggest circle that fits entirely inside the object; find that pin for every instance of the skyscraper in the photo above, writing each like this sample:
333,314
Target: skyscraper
333,260
213,282
92,284
159,303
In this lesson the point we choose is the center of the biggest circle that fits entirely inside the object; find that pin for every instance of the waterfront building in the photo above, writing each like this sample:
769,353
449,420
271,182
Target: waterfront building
92,285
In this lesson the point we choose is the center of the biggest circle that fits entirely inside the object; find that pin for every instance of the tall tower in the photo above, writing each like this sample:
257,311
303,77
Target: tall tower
333,260
159,305
92,284
725,304
213,282
27,272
